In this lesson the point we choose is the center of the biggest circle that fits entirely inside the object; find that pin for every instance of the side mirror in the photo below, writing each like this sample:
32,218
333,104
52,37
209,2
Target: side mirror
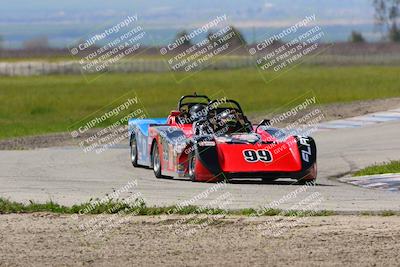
264,122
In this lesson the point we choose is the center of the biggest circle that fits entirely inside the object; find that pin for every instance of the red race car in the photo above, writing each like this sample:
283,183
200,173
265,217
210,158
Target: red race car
212,140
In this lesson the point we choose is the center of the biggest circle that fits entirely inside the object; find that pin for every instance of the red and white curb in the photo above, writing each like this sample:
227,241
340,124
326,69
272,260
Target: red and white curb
360,121
388,182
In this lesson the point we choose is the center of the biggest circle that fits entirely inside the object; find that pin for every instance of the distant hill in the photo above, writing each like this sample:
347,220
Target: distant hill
66,21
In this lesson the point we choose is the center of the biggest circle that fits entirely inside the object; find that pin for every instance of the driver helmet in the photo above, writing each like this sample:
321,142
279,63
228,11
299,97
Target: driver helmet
228,119
197,112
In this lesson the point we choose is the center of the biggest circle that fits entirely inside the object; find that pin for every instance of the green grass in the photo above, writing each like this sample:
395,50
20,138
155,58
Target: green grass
44,104
384,213
140,208
388,167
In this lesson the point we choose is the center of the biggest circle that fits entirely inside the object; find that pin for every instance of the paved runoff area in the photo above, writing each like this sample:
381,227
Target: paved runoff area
69,176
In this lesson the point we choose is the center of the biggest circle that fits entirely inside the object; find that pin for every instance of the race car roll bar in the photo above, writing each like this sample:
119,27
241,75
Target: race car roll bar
227,101
192,96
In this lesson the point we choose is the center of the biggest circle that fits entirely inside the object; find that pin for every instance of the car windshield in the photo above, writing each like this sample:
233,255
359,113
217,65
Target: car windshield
222,119
227,120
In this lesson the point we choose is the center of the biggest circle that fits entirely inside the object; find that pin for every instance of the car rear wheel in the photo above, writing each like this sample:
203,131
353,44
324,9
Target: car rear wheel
192,167
156,161
134,152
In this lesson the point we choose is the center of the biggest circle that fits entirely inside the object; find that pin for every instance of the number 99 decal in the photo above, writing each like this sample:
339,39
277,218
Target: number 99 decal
257,155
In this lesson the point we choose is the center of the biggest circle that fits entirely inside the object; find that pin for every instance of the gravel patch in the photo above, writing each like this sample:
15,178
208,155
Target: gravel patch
43,239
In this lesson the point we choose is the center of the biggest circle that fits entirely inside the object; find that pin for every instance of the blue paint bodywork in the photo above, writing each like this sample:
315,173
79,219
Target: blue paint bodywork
143,124
140,129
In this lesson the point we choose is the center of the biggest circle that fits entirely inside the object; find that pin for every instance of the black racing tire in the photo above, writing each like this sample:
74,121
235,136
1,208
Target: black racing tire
156,161
268,180
134,151
192,167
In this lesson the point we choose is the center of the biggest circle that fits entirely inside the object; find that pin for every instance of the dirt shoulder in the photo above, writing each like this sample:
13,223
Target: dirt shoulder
338,111
46,140
331,112
49,239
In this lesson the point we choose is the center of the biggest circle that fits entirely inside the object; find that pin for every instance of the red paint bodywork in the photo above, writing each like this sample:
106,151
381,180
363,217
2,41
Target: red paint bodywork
286,157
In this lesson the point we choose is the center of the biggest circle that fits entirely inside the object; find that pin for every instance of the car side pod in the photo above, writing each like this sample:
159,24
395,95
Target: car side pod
207,168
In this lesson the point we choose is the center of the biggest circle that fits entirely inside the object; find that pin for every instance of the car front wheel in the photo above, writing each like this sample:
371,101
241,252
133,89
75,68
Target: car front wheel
156,161
134,152
192,167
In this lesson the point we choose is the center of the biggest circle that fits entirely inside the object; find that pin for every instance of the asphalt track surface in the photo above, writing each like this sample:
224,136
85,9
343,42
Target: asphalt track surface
68,176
